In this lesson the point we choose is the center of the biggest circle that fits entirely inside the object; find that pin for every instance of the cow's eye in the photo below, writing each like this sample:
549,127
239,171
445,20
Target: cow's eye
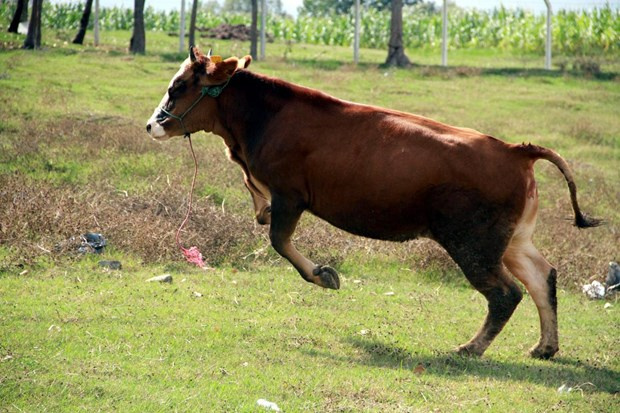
176,89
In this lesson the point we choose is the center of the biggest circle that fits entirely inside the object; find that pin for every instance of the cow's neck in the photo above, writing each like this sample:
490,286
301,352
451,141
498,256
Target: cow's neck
244,109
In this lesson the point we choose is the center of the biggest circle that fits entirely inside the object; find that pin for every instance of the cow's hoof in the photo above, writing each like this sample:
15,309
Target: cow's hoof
328,277
544,352
469,350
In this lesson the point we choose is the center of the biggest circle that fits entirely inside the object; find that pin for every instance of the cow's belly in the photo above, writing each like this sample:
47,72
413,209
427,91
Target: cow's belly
392,222
374,227
405,212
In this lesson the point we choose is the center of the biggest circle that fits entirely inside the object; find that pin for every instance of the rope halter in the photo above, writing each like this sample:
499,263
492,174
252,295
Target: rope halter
211,91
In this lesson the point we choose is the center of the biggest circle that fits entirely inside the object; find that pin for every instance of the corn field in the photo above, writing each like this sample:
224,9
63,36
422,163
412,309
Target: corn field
574,32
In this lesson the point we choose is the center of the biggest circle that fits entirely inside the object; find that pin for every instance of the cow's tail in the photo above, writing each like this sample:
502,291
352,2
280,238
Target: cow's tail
538,152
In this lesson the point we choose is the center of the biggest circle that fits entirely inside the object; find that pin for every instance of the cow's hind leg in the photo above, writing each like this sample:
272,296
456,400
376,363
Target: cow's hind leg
483,268
502,294
539,277
284,217
475,235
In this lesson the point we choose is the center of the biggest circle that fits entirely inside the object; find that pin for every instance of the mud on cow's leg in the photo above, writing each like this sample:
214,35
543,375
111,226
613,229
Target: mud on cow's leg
548,344
284,217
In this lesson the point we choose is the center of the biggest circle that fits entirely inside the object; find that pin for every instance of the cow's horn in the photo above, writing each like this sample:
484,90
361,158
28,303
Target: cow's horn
209,54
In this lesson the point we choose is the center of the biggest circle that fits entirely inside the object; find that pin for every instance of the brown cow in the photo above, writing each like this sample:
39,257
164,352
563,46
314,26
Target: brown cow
377,173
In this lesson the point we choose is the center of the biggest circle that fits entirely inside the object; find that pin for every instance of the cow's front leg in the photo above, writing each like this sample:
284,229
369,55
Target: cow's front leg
262,209
284,217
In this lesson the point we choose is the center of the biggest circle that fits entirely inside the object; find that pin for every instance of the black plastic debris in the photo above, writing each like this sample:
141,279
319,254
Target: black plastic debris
613,277
92,242
113,265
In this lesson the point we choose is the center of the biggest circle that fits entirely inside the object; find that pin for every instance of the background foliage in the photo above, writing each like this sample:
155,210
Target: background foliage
574,32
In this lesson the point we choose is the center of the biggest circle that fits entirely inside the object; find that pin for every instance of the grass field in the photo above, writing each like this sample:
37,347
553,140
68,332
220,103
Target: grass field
74,157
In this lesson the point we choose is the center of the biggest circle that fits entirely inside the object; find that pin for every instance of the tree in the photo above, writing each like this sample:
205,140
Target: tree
138,39
33,38
192,24
328,7
21,15
210,6
254,30
236,6
275,6
79,37
396,50
243,6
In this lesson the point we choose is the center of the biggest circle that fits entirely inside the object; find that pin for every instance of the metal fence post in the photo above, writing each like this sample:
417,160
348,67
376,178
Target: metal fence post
182,28
444,34
548,41
263,23
356,34
96,23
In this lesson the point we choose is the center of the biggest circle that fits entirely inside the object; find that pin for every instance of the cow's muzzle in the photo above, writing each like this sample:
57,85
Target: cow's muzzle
155,129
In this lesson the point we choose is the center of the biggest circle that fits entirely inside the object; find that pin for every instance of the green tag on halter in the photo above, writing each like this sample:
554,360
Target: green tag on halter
215,90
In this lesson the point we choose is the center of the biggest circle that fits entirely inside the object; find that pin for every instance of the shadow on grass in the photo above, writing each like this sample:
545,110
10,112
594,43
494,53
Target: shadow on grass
456,71
470,71
551,373
328,64
173,57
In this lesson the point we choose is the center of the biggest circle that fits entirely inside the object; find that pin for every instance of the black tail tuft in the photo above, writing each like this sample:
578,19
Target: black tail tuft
584,221
538,152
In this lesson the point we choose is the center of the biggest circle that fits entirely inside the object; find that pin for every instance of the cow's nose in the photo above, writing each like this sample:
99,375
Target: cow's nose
148,128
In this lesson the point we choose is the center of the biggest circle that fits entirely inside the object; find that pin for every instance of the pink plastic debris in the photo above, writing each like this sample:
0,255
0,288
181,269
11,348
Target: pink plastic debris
194,256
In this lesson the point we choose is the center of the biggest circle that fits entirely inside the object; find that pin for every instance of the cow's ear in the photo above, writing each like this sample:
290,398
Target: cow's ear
197,60
244,62
222,71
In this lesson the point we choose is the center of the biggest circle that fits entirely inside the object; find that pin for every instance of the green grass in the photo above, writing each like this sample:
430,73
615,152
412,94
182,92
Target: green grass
74,157
82,337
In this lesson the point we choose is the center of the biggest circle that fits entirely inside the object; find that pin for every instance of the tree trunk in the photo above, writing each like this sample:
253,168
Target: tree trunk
33,38
21,15
254,30
396,51
192,24
79,37
138,40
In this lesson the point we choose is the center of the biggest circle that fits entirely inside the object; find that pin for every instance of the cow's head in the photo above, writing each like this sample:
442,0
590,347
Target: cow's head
189,104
